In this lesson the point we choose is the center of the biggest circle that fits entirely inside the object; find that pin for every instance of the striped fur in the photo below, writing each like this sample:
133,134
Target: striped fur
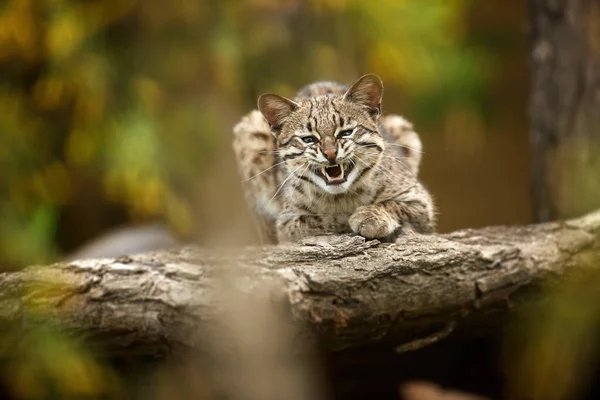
370,186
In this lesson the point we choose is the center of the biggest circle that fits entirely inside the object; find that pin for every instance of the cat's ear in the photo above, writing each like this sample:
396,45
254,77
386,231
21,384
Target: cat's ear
367,92
275,108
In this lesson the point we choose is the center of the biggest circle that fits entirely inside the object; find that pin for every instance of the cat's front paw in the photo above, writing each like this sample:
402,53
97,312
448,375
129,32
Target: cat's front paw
372,222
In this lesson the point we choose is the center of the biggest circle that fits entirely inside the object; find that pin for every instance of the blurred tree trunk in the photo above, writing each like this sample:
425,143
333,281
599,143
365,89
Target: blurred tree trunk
565,107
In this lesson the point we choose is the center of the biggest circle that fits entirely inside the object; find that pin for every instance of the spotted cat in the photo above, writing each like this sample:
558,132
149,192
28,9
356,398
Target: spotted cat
328,162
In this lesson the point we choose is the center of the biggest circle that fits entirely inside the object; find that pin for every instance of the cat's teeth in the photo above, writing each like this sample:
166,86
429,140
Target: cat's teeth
330,178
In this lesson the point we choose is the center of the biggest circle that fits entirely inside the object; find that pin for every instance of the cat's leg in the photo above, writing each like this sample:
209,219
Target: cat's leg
383,220
293,226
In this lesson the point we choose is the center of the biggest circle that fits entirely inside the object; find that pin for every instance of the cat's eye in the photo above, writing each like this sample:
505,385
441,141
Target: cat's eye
309,139
345,132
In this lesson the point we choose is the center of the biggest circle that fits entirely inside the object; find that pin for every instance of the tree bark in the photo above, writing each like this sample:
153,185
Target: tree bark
565,107
350,291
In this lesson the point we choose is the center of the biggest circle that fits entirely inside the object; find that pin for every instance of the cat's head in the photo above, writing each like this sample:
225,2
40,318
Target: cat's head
330,140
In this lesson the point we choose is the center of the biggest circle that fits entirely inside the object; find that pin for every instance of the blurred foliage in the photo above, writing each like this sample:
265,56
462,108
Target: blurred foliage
575,177
44,363
552,350
126,102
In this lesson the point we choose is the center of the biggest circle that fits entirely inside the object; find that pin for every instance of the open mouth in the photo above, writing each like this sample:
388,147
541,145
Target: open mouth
335,174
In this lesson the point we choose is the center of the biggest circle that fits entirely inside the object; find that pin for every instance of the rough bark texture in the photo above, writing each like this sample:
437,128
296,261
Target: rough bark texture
565,107
351,291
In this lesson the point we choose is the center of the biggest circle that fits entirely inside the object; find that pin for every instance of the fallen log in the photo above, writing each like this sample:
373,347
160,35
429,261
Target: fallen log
350,291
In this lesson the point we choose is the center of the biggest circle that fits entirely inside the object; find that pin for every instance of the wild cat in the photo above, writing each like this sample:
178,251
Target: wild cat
329,162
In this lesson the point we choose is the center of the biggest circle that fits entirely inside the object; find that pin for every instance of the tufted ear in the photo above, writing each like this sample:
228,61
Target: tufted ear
367,92
275,108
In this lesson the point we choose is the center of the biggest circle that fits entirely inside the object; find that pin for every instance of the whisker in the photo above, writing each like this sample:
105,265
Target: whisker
399,160
283,183
298,176
405,146
363,161
321,193
309,187
399,157
263,171
390,171
380,166
353,191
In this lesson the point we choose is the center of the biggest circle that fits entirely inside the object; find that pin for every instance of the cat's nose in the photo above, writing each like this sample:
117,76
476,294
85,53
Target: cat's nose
330,154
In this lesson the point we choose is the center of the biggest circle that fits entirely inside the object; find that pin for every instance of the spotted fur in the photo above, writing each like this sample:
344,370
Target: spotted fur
326,162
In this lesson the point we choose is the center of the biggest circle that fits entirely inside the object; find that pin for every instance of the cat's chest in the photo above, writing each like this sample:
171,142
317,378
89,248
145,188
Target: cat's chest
341,204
